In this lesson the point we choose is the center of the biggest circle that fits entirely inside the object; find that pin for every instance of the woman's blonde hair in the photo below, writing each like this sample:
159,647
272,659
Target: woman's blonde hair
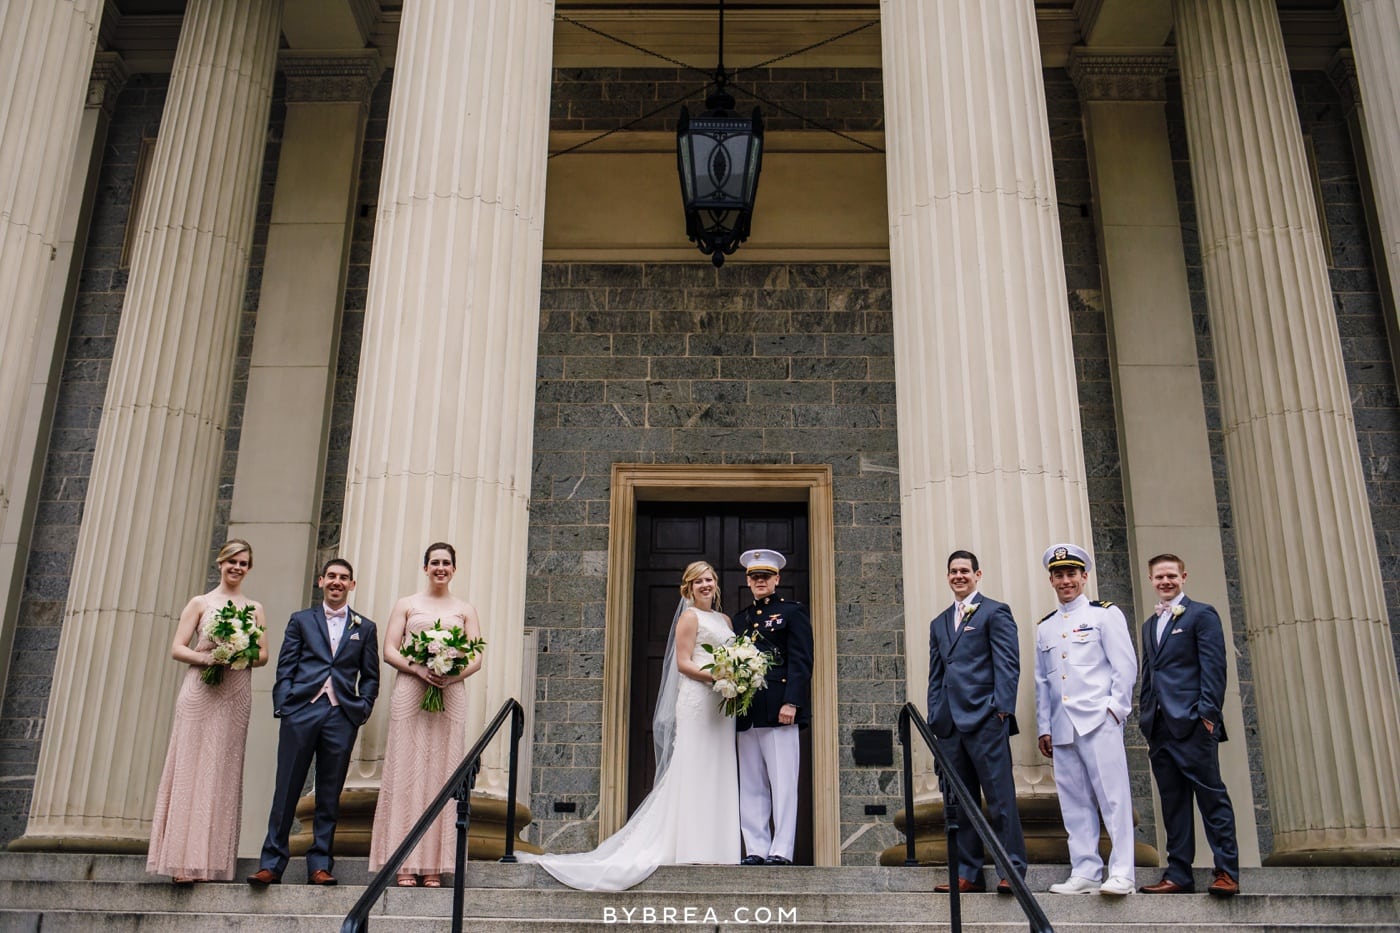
232,548
694,572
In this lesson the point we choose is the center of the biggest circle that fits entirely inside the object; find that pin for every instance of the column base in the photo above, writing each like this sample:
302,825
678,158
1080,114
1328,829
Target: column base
88,845
1384,855
1041,823
485,837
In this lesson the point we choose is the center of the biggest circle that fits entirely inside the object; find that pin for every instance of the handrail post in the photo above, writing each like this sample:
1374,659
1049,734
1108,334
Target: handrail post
910,856
464,820
950,821
517,729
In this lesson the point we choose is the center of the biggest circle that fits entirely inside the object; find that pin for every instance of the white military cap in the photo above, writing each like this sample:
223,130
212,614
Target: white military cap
762,559
1067,555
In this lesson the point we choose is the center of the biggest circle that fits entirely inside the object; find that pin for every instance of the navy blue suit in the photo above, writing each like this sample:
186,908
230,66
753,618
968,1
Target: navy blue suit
972,675
1183,682
317,729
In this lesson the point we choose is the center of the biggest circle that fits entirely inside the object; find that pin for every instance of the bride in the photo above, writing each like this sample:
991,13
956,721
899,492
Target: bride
692,812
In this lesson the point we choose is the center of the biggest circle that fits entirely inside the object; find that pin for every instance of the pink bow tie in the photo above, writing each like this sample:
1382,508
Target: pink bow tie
335,616
1163,607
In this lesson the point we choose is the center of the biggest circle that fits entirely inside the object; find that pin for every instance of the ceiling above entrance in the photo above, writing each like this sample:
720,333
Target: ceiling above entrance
145,31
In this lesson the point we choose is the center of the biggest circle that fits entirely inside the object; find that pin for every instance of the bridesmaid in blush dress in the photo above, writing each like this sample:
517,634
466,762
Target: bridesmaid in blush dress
194,832
424,748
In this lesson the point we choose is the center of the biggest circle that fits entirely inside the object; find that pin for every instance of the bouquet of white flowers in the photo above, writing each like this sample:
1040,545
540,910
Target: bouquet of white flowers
739,668
444,651
235,636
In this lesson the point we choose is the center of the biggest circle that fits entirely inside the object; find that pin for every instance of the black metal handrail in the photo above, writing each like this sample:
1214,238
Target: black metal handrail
956,796
459,785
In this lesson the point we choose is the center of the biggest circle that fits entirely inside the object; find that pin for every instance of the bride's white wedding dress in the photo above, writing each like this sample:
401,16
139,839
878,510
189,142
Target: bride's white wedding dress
692,813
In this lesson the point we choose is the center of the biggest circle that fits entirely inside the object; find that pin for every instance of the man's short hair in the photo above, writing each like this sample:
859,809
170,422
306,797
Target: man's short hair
963,555
334,561
1163,558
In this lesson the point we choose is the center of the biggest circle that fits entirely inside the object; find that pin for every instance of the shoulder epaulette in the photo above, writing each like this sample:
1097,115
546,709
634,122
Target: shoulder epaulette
1101,603
1046,616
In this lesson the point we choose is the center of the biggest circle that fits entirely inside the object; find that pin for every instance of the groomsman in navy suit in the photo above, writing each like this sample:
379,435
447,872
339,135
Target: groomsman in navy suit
974,663
327,681
1183,686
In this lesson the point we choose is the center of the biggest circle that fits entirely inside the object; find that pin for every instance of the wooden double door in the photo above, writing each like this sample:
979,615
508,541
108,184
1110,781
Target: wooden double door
669,536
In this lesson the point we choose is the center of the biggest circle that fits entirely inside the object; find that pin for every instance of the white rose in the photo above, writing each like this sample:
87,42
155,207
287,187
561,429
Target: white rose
440,664
238,641
727,689
758,664
241,663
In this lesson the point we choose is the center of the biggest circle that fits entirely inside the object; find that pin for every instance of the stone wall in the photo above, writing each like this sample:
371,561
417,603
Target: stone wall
761,363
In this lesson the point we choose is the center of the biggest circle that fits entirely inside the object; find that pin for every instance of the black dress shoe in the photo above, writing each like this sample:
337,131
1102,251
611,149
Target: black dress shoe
751,860
777,860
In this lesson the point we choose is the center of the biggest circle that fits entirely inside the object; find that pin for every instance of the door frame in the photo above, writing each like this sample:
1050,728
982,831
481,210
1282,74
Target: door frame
640,482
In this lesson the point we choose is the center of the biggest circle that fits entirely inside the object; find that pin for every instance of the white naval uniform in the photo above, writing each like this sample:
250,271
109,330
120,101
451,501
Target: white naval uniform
1085,671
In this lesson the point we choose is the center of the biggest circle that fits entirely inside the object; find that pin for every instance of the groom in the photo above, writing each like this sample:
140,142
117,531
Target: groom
327,680
769,753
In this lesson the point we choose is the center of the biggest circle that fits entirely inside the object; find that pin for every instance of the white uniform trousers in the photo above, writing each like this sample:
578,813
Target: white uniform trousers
768,765
1091,776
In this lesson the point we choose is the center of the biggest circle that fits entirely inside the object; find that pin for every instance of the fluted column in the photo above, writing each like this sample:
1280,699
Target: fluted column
1168,479
1375,42
46,52
444,405
40,389
990,456
144,545
1325,684
291,376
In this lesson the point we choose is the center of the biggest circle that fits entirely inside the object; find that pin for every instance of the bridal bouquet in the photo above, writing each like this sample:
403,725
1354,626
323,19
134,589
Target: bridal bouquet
444,651
235,636
739,668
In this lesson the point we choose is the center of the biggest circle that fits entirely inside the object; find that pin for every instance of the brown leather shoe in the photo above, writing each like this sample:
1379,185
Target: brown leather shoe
964,887
1004,887
1223,885
264,876
321,876
1166,886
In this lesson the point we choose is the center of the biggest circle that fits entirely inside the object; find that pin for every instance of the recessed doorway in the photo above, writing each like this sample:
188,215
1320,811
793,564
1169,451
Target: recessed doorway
671,535
798,495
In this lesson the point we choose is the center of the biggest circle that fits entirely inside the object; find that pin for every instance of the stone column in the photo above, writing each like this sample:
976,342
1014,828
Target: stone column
282,444
1375,42
990,456
1329,702
144,545
50,340
46,47
444,405
1169,484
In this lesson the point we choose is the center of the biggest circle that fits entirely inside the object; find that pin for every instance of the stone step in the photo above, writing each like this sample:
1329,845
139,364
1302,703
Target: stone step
112,893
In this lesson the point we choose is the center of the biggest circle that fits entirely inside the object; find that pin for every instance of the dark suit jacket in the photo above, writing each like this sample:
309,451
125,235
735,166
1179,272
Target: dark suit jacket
1183,677
783,627
305,661
972,672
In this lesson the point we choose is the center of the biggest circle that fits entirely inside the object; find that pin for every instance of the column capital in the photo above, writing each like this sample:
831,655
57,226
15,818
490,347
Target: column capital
109,74
1120,74
1342,71
321,77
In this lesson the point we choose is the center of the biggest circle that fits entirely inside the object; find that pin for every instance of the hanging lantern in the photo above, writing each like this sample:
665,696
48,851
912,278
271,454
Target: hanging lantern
718,155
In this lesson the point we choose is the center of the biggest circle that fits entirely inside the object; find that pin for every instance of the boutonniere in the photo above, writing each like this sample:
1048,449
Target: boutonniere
354,620
969,609
1178,610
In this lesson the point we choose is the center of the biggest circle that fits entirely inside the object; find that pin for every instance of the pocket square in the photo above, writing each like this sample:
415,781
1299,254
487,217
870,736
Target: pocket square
1178,631
355,636
969,628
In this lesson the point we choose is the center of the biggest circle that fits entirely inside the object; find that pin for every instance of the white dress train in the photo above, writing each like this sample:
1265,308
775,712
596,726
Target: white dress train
691,815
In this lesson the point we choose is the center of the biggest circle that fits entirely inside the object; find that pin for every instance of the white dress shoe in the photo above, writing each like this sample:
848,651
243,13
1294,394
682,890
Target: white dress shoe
1075,885
1118,886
